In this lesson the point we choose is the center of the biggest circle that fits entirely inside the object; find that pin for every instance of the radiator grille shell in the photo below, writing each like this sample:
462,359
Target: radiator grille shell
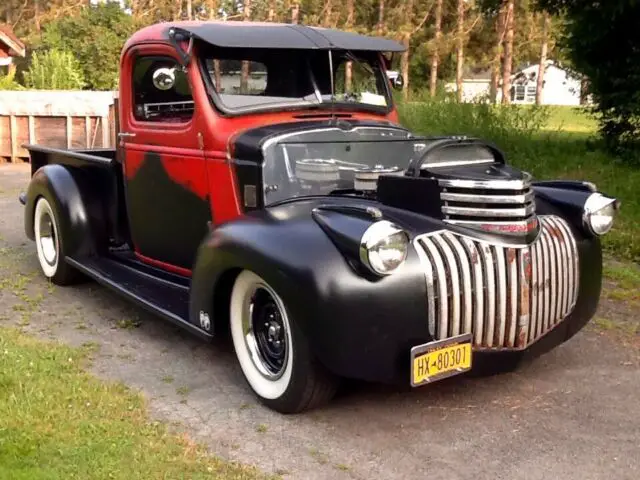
507,297
472,202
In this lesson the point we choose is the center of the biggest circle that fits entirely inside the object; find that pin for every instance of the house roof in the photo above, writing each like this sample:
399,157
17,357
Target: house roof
237,34
10,44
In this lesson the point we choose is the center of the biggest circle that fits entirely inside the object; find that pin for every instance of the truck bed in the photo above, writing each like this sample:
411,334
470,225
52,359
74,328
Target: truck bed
104,170
96,157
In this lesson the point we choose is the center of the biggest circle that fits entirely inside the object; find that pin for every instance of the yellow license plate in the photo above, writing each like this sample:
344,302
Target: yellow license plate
440,359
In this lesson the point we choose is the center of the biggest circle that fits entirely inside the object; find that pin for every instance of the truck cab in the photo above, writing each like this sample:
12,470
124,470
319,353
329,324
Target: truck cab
262,187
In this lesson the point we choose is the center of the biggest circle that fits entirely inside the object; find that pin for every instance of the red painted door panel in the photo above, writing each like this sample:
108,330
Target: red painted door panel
167,190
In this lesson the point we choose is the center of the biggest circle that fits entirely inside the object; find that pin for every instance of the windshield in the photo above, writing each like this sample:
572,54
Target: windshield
299,168
267,78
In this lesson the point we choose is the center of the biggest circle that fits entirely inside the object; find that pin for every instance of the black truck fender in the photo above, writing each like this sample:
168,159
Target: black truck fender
336,307
78,209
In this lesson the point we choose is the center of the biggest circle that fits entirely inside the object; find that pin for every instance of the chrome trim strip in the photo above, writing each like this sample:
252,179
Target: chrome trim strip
574,272
442,289
542,271
513,286
548,276
557,260
498,241
501,297
464,266
453,281
455,163
524,297
488,184
431,300
487,258
499,199
553,292
489,212
478,307
535,289
563,266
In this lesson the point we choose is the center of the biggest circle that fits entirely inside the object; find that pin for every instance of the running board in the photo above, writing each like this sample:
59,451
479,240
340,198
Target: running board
161,297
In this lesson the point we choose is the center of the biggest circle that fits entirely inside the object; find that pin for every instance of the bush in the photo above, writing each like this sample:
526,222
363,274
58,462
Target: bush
506,125
8,82
95,34
54,70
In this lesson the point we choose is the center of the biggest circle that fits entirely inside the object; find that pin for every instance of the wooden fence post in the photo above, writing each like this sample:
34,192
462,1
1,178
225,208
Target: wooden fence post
87,132
13,137
32,130
69,131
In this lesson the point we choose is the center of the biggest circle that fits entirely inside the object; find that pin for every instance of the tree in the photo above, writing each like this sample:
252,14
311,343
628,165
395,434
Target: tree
435,56
508,51
459,49
543,57
380,26
602,41
348,70
95,36
54,70
497,55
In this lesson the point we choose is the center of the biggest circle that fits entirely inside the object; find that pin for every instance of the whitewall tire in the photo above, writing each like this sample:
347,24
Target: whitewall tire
49,244
272,352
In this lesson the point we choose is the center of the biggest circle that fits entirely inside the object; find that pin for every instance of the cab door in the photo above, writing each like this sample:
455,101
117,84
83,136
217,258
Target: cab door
165,172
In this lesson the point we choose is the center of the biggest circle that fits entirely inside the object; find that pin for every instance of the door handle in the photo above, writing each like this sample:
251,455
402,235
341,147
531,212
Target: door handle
126,135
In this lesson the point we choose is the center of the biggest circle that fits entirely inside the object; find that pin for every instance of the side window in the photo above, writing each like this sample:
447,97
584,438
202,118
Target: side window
356,80
161,91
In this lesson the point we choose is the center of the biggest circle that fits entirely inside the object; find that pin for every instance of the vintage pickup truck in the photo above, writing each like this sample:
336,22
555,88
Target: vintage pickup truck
262,187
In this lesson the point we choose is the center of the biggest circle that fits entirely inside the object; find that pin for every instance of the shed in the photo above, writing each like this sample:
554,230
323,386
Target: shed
10,46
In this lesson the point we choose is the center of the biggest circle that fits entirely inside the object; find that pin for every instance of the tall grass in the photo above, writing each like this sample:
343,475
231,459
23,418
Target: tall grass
530,141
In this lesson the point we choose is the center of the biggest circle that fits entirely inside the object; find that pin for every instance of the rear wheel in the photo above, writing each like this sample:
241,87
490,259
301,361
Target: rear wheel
49,245
272,351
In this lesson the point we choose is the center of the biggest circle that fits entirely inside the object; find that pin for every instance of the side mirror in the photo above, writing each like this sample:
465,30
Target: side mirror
398,82
164,78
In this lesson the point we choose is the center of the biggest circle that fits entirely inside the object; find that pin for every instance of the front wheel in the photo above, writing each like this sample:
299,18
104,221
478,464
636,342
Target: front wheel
273,354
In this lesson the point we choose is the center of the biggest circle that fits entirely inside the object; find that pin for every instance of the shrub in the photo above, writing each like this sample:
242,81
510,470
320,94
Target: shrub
8,82
54,70
510,126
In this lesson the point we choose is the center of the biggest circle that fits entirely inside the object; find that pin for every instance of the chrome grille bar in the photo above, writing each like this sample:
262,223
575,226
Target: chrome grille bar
474,198
507,297
490,212
472,201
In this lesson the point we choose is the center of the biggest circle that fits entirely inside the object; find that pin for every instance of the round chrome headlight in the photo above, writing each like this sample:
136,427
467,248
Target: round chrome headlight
384,247
599,212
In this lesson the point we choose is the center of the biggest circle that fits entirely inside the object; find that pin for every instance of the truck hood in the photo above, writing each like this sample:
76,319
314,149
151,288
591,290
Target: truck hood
449,182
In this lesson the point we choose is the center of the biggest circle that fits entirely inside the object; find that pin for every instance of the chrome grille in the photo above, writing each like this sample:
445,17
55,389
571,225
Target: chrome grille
495,201
506,297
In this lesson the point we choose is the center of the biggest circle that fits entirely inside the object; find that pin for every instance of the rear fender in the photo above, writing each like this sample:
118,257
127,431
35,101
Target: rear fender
76,205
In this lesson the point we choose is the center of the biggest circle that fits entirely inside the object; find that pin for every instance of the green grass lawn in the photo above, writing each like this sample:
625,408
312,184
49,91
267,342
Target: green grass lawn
570,119
59,422
550,143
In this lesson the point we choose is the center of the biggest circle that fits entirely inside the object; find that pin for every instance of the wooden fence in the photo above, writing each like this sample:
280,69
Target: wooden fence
54,118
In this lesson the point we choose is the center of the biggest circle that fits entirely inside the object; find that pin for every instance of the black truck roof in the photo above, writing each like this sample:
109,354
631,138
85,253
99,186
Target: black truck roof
235,34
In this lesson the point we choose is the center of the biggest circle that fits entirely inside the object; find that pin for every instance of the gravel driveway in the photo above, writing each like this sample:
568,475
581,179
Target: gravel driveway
573,413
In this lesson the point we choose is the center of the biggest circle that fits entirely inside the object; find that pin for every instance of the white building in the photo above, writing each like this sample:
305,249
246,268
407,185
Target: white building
560,87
